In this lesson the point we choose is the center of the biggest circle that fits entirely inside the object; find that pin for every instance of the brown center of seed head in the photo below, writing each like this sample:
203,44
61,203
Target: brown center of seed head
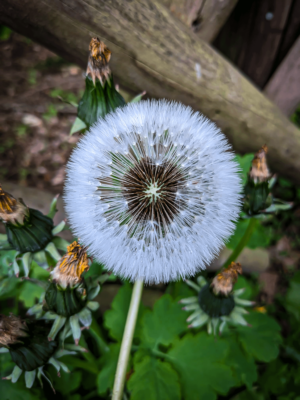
151,191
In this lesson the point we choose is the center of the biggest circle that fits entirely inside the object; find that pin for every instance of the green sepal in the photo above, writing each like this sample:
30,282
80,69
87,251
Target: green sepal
16,374
98,100
56,327
53,209
33,235
257,197
66,301
34,350
215,305
29,378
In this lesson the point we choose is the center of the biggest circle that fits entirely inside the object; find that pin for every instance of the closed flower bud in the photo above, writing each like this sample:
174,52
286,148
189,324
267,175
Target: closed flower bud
30,349
29,232
68,296
259,170
100,96
99,57
257,192
12,211
216,304
223,282
70,267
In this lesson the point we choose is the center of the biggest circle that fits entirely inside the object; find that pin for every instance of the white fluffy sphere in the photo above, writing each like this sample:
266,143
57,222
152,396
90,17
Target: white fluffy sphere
153,191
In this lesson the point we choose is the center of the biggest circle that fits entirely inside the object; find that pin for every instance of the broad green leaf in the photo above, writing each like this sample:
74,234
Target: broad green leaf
243,365
67,382
115,319
200,363
154,380
245,164
105,379
261,236
164,323
292,298
260,340
30,293
17,391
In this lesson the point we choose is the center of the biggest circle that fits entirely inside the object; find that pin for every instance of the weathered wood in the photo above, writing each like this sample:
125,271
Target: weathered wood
153,51
284,86
252,36
205,17
292,31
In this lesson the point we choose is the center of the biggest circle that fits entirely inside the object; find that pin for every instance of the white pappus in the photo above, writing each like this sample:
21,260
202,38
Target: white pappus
153,191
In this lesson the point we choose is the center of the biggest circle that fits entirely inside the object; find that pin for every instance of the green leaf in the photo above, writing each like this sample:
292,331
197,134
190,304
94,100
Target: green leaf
30,293
105,379
179,290
17,391
260,340
200,363
292,299
261,236
154,380
164,323
245,164
78,125
67,382
243,365
115,319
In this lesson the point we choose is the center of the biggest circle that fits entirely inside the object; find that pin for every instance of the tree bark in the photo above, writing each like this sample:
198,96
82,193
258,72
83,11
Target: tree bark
153,51
284,86
205,17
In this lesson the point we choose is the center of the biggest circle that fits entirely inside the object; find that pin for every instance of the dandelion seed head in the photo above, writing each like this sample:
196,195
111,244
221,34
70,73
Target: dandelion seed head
166,176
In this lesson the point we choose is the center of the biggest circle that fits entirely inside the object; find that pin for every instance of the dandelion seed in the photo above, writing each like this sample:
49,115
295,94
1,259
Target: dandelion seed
175,201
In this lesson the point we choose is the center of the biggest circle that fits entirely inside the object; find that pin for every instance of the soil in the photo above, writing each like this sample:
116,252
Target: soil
35,116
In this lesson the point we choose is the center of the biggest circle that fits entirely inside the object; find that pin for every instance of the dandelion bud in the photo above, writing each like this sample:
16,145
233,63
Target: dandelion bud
259,170
217,309
70,267
99,57
257,192
30,348
68,297
224,281
100,96
153,191
12,211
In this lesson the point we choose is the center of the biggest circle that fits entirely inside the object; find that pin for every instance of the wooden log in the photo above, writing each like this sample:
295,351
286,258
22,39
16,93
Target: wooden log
205,17
284,86
153,51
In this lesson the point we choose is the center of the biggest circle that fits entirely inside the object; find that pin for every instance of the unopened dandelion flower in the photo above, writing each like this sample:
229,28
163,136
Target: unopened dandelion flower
259,170
68,296
153,191
217,304
12,210
70,267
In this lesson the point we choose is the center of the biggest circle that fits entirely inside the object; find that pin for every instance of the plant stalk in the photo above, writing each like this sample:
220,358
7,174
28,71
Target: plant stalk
127,340
244,240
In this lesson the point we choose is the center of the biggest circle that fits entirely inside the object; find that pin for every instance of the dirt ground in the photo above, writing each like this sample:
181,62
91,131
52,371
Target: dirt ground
37,88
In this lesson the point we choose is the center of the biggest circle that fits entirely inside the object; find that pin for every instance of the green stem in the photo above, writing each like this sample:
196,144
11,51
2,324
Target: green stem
244,240
127,340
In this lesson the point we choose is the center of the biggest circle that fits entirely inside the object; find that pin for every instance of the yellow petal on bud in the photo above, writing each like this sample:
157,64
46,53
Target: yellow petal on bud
11,329
261,309
70,267
259,171
11,209
98,61
224,281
